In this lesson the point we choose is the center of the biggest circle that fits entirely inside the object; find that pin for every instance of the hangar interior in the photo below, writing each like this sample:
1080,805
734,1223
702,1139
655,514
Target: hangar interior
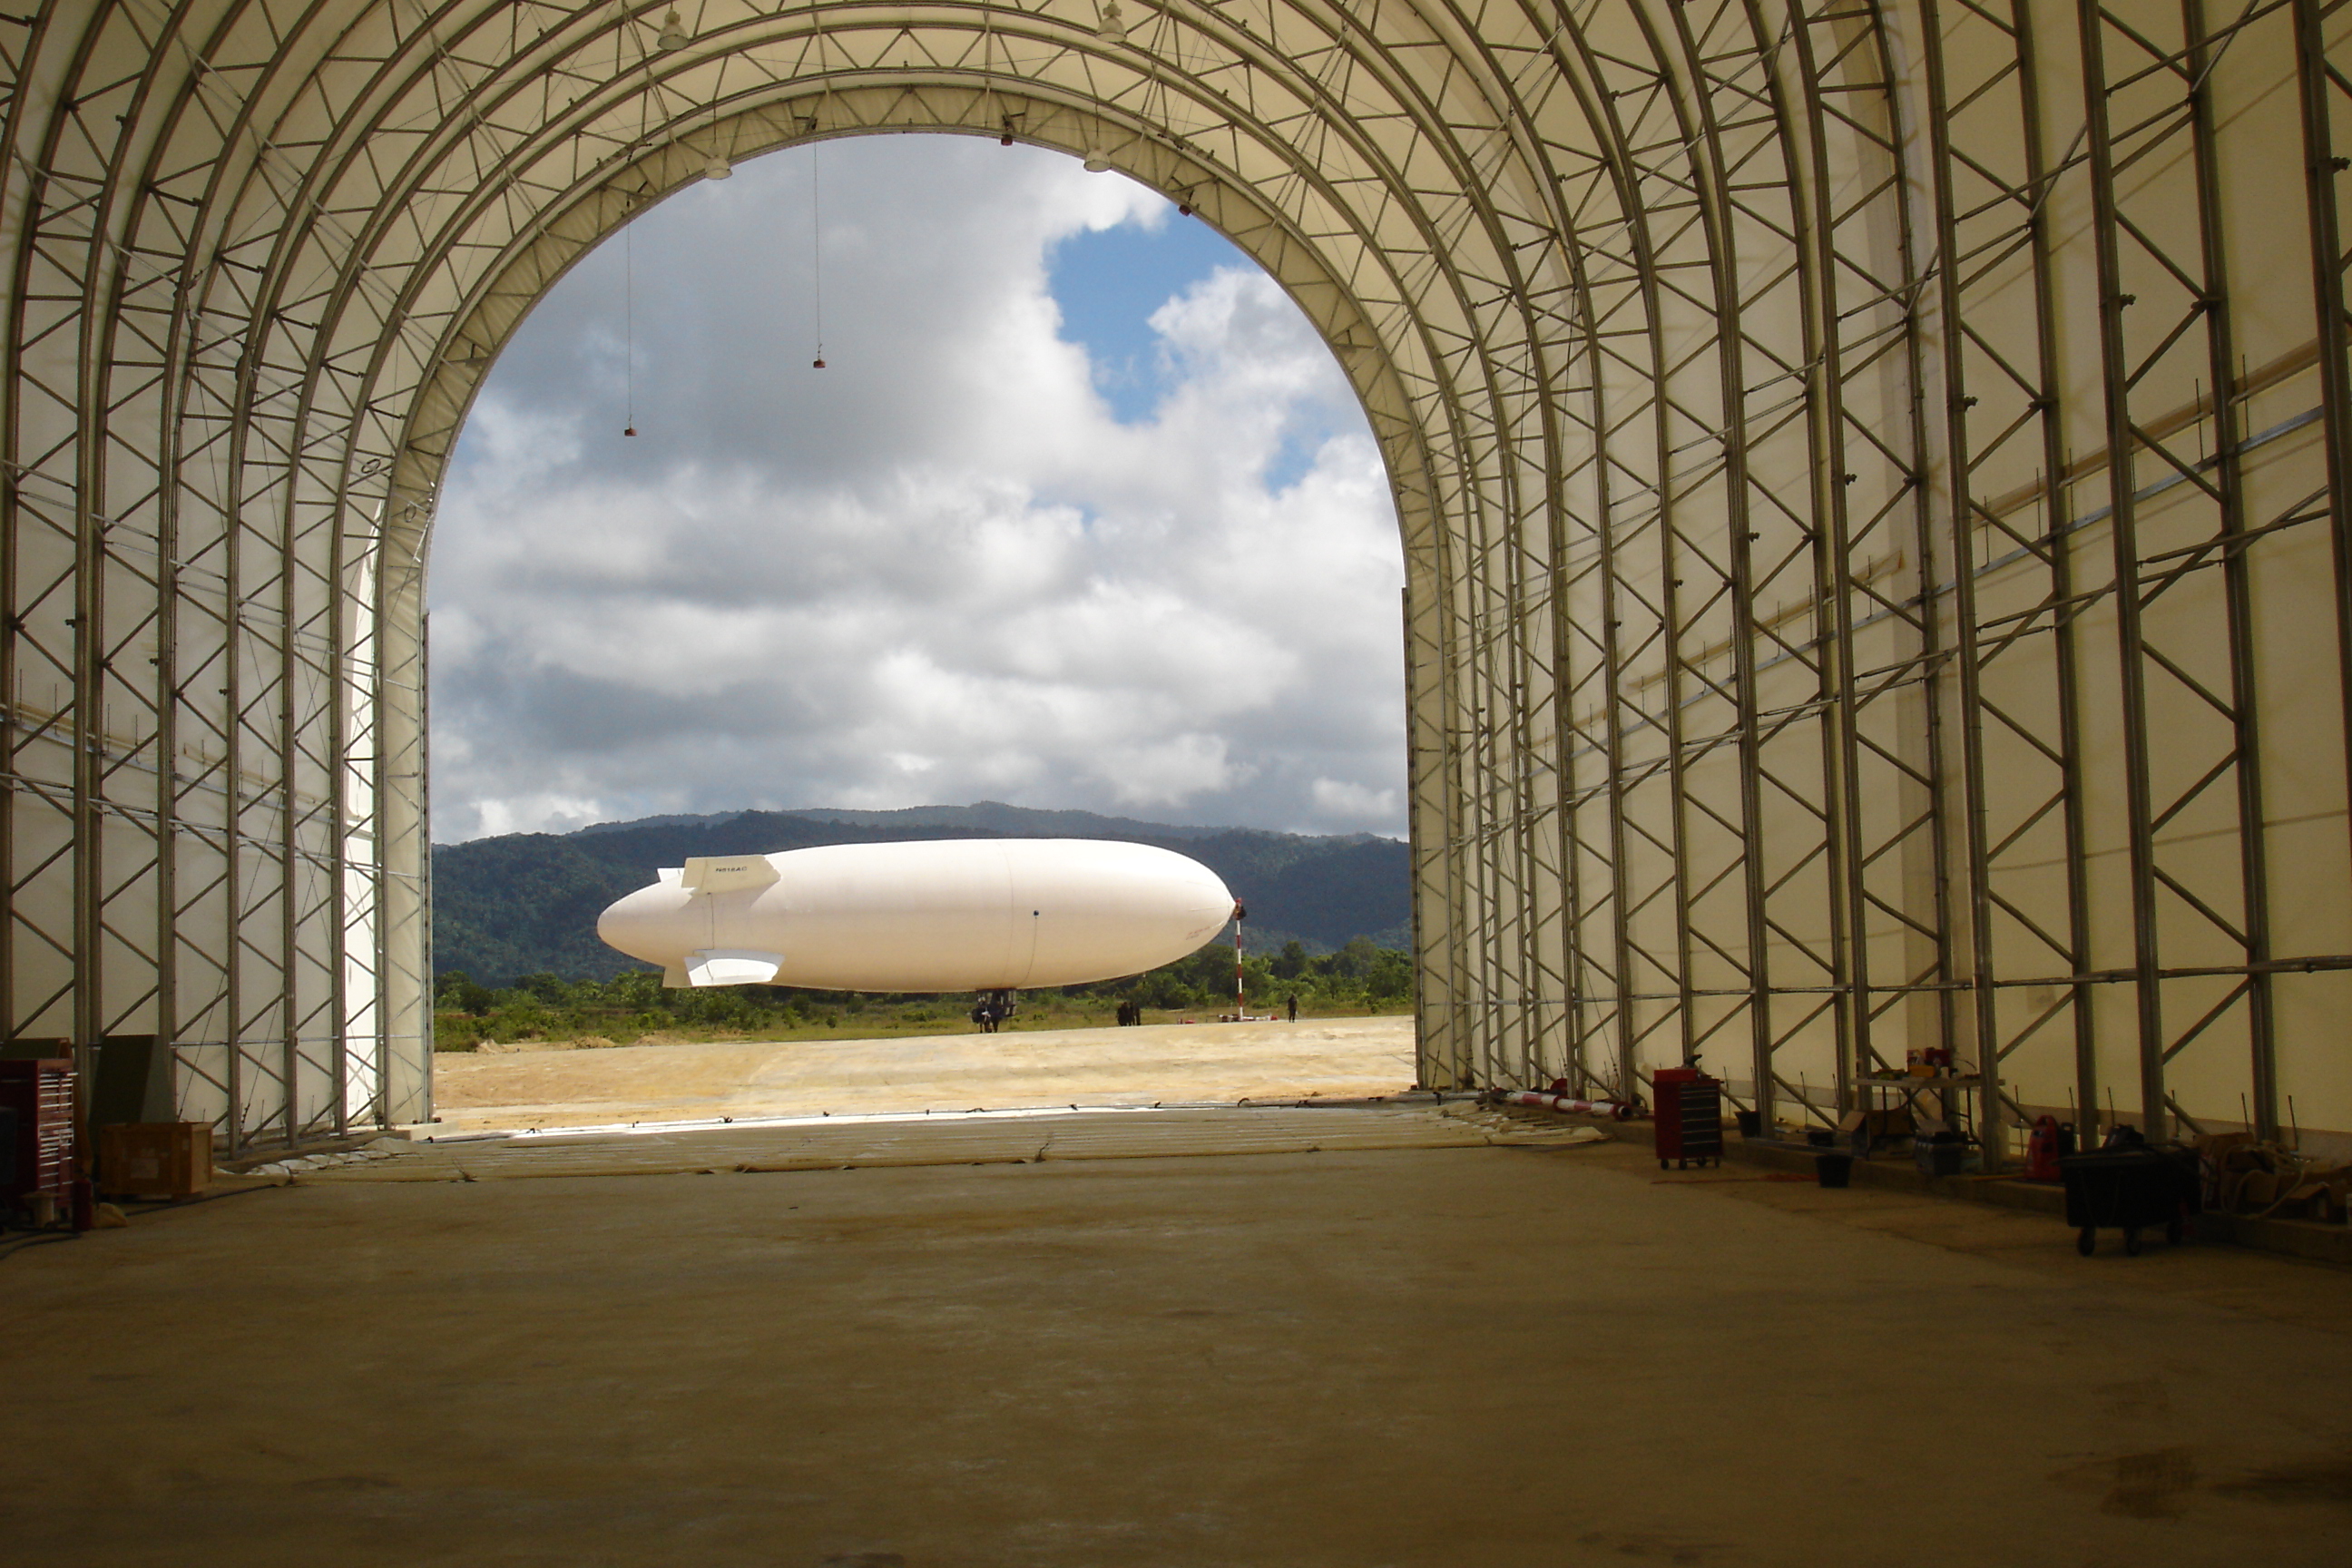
1874,477
1874,480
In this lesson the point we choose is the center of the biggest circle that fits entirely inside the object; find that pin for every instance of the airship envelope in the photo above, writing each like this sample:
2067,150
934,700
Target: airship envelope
981,914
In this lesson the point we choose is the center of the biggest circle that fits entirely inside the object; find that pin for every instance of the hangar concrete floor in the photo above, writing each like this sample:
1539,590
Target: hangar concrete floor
1451,1357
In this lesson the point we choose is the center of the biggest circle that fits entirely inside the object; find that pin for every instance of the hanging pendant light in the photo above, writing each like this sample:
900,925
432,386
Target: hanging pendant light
629,329
716,167
1096,162
1113,27
673,34
816,248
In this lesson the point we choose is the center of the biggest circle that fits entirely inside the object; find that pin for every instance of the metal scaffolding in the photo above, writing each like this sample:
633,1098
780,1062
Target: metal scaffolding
1874,500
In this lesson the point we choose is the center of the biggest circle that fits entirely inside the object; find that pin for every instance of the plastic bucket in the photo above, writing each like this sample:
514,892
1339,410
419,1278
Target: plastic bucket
1751,1123
1834,1170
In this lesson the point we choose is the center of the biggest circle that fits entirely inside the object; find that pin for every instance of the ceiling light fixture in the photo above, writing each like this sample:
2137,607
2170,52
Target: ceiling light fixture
1113,28
716,167
1097,163
672,33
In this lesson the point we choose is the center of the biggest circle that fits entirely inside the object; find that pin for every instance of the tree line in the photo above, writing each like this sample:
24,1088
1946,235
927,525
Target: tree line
1359,979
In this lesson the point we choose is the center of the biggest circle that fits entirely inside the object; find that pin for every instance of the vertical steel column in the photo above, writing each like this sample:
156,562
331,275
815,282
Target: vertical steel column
1622,1079
52,603
1990,191
250,1119
2237,586
289,748
1625,1068
404,914
17,43
2320,87
2057,514
1833,588
163,323
88,729
335,683
2056,503
1670,193
2114,368
1581,403
120,422
1713,181
1957,401
20,184
1920,657
170,1028
2192,281
1619,242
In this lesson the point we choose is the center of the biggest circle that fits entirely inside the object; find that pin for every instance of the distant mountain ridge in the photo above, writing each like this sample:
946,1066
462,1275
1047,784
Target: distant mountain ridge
987,817
525,903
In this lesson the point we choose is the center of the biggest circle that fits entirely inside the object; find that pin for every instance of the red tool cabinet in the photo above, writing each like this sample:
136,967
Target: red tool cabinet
1688,1115
41,1090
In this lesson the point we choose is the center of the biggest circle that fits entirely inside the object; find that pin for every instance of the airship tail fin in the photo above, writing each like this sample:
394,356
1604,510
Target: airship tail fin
727,873
731,966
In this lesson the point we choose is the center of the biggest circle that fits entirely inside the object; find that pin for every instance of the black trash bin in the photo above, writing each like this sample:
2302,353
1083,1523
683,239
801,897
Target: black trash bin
1751,1123
2130,1190
1834,1170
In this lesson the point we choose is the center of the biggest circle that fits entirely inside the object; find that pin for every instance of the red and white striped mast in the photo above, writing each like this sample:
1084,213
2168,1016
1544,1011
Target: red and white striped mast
1240,1003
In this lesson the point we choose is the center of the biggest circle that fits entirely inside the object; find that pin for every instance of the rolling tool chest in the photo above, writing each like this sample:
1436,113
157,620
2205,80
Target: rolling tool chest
40,1090
1688,1115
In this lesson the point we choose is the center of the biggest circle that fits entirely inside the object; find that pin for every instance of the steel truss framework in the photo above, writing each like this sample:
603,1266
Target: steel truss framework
1873,493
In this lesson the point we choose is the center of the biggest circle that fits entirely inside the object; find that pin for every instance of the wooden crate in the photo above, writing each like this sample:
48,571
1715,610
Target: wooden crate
154,1159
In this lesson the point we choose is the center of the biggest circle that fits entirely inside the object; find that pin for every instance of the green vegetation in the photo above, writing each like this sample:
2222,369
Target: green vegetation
632,1007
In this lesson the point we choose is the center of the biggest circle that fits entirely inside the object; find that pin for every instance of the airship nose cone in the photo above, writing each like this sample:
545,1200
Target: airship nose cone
648,924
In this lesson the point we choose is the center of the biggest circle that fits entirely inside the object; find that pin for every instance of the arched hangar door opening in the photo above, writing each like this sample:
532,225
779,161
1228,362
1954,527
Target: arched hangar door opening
1872,484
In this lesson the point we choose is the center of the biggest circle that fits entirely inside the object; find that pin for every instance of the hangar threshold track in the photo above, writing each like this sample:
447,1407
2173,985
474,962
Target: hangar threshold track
1458,1356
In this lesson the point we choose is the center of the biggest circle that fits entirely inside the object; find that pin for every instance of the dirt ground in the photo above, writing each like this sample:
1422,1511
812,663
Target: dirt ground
1158,1063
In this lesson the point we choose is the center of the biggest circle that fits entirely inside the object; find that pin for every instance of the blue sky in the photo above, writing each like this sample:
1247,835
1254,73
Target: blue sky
1109,281
1080,513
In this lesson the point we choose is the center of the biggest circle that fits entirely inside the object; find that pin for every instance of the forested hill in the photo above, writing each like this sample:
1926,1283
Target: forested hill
527,903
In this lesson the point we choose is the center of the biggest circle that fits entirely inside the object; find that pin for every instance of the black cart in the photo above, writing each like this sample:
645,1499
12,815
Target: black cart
2130,1190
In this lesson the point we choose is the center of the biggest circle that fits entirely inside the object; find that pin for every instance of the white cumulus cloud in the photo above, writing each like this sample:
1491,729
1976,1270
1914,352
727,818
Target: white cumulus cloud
940,569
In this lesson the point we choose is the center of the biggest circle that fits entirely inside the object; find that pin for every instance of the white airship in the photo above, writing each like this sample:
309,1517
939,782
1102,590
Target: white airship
991,915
